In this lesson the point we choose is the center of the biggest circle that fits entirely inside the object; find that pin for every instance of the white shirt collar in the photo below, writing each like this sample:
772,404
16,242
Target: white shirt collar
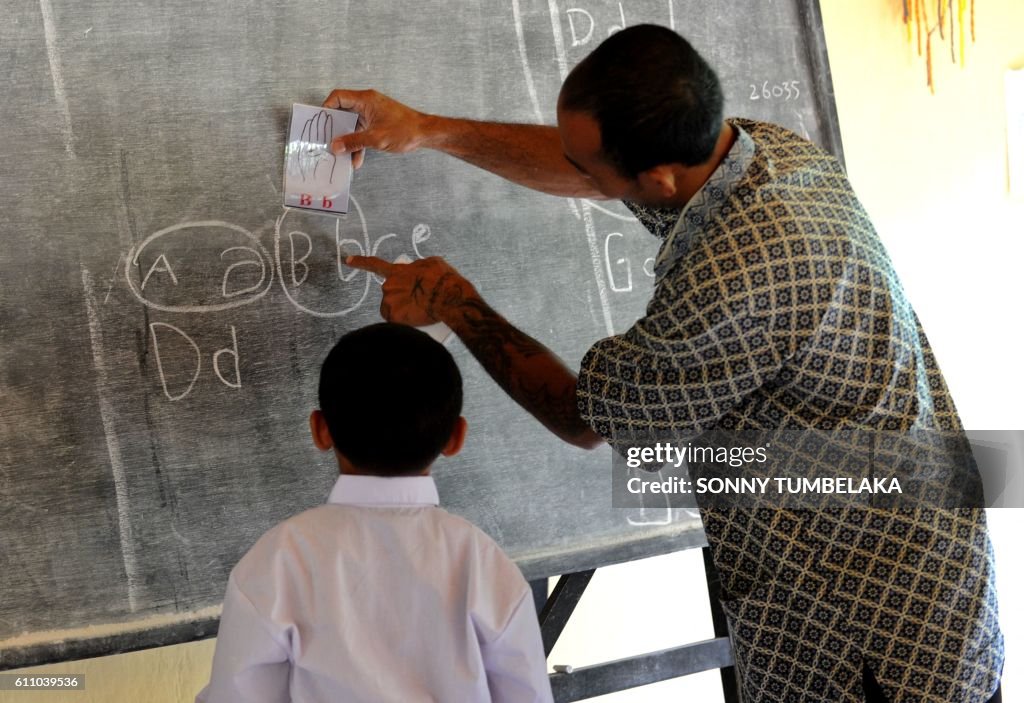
411,491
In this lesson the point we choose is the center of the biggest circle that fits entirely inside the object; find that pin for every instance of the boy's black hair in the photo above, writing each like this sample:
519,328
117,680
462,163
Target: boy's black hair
653,96
391,396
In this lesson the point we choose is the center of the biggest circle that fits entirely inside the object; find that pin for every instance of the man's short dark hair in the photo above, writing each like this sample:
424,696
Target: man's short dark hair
391,396
653,96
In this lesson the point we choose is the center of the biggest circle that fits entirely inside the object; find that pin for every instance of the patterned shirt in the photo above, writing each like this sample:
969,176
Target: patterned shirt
776,307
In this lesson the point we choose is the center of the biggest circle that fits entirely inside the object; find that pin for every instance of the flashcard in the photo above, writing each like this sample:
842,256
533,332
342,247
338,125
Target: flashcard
314,177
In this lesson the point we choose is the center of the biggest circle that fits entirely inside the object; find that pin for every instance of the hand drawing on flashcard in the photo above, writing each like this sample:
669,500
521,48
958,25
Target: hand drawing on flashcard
314,148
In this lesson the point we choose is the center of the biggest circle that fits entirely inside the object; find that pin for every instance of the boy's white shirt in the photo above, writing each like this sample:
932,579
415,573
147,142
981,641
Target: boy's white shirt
377,596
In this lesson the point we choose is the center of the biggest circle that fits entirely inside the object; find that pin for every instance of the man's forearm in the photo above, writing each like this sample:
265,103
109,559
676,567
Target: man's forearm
527,154
527,370
530,155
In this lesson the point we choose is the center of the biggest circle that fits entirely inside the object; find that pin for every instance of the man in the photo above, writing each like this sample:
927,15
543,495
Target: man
775,308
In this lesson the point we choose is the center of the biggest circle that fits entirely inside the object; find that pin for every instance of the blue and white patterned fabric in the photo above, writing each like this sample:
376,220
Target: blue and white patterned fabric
776,307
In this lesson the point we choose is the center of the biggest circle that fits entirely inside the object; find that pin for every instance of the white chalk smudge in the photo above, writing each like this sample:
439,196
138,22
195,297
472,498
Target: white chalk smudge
113,443
50,32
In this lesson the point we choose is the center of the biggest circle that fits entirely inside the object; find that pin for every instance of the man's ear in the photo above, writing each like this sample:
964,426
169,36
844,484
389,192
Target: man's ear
662,179
318,428
457,438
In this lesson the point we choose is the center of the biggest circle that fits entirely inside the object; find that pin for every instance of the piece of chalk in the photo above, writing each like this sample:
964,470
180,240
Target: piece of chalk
562,668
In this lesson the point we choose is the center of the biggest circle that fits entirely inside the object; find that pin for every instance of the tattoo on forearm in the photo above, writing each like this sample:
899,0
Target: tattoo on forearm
417,289
436,293
507,354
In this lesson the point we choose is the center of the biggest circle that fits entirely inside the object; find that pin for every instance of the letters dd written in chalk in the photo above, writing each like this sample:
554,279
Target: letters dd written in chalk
178,346
314,177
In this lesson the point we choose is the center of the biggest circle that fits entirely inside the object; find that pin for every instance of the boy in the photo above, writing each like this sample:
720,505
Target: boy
380,595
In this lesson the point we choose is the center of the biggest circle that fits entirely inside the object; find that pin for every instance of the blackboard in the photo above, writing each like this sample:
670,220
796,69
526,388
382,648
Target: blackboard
163,317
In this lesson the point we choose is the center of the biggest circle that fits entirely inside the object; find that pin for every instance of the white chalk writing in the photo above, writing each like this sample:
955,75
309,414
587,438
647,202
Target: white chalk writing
787,90
177,280
175,378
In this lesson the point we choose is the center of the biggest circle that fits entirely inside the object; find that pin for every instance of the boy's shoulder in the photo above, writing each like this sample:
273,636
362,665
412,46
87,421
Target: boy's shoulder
286,536
497,566
472,531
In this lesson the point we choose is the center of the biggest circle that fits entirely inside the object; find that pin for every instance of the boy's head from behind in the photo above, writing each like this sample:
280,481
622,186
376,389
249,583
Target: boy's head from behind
390,401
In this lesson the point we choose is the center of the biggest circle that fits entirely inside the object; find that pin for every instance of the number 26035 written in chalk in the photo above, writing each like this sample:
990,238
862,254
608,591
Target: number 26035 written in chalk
787,90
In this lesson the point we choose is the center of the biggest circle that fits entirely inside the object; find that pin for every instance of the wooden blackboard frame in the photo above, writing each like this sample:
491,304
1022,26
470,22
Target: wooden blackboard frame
817,57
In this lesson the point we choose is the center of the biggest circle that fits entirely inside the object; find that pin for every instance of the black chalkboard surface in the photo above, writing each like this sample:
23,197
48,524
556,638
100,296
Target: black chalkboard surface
163,318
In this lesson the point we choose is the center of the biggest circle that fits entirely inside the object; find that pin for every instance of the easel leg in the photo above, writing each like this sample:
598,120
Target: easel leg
730,680
564,599
540,594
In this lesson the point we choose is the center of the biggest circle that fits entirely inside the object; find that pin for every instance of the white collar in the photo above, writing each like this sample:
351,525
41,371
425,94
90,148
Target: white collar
384,491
